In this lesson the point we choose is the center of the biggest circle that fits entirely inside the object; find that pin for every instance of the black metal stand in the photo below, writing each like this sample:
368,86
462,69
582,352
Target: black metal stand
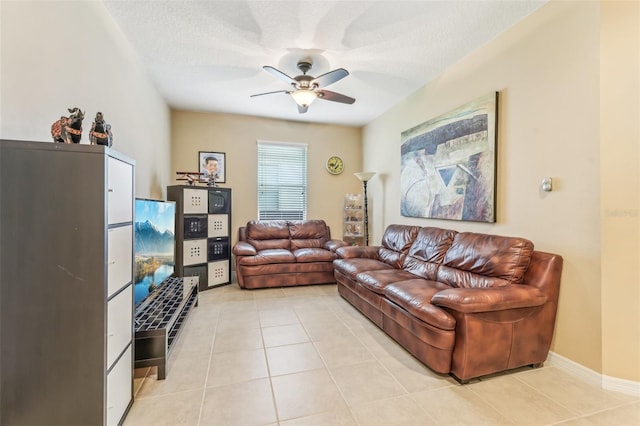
366,215
158,321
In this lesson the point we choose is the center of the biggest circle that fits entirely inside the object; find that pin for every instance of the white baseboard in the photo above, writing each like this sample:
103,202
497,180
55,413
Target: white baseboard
575,369
621,385
628,387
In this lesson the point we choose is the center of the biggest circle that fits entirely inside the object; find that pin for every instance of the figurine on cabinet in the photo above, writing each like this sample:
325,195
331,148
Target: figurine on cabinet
100,133
68,129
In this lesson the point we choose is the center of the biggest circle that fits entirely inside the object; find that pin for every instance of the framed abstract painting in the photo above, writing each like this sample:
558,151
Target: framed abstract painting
448,164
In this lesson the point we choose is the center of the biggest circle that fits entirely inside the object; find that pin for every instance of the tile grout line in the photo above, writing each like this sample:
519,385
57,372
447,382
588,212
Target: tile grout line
549,397
469,386
326,367
206,378
368,349
408,393
586,416
266,361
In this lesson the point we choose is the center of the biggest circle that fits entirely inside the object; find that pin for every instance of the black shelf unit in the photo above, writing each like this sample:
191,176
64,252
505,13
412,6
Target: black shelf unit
159,319
203,233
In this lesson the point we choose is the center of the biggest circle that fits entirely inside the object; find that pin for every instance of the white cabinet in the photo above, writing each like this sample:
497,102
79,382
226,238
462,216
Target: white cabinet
120,253
119,191
119,329
66,310
120,378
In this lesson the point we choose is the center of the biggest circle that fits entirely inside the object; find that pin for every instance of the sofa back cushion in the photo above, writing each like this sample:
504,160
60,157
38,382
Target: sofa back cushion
308,233
268,234
428,251
396,241
481,260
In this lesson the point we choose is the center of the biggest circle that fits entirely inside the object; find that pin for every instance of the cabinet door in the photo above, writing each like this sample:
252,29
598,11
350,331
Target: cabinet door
119,257
194,252
218,272
195,201
218,225
120,191
119,388
119,324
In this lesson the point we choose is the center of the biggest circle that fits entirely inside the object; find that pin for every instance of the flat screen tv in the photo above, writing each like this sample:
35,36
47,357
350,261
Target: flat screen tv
154,246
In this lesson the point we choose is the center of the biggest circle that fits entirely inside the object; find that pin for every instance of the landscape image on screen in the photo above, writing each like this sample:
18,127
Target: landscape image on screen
154,245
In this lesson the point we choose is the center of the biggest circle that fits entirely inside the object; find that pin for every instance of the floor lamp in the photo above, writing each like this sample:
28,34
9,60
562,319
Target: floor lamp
364,178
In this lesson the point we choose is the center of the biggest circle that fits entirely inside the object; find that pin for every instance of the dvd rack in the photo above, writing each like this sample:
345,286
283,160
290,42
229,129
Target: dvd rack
159,319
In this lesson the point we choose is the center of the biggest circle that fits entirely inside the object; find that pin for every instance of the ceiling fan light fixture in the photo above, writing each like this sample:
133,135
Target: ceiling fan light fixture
304,89
304,97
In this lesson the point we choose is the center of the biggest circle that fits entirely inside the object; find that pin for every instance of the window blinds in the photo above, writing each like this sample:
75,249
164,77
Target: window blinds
282,181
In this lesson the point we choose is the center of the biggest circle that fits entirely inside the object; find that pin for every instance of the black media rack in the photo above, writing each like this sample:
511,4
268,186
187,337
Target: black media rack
159,320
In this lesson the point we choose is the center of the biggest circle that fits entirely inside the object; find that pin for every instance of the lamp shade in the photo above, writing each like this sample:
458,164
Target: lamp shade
365,176
304,97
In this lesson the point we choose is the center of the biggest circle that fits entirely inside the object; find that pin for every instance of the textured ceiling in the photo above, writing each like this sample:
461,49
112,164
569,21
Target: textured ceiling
208,55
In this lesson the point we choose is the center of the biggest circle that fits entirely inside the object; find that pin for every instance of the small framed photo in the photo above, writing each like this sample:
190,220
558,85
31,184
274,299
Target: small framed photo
212,164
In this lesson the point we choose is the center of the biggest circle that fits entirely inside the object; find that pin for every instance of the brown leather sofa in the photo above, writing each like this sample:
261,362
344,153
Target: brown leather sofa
463,303
278,253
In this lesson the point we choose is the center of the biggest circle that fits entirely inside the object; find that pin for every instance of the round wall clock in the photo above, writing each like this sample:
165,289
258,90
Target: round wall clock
335,165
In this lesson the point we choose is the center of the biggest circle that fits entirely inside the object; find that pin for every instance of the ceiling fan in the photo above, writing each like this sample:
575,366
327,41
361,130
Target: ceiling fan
306,88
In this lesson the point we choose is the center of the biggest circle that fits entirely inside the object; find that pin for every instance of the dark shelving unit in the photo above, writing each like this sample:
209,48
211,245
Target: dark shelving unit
203,233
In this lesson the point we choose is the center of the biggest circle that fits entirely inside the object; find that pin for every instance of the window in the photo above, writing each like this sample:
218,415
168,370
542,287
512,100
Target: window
282,181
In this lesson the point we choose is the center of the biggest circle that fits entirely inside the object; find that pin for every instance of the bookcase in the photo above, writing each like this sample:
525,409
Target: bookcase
203,226
353,219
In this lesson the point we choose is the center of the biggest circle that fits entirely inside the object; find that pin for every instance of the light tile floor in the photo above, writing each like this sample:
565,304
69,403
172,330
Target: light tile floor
304,356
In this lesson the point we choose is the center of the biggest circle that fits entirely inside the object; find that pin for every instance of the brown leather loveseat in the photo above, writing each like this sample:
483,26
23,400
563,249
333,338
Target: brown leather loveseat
278,253
463,303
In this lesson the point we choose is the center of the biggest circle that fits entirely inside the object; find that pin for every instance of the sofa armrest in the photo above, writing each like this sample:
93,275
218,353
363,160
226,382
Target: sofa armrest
348,252
243,248
473,300
333,245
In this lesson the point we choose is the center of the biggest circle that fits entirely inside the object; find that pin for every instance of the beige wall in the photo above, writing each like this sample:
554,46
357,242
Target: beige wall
56,55
237,135
547,72
620,188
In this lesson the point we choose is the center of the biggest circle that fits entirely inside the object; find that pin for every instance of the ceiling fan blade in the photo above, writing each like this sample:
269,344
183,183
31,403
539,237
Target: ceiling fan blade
330,77
279,74
302,109
328,95
269,93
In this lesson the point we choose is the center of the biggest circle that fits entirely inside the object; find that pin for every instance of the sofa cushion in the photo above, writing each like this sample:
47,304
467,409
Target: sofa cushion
314,254
308,233
376,281
427,251
334,245
243,248
414,296
358,252
481,260
396,241
270,269
265,257
352,267
268,234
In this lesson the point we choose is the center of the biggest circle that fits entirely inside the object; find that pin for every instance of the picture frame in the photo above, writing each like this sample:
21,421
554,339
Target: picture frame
211,157
448,164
